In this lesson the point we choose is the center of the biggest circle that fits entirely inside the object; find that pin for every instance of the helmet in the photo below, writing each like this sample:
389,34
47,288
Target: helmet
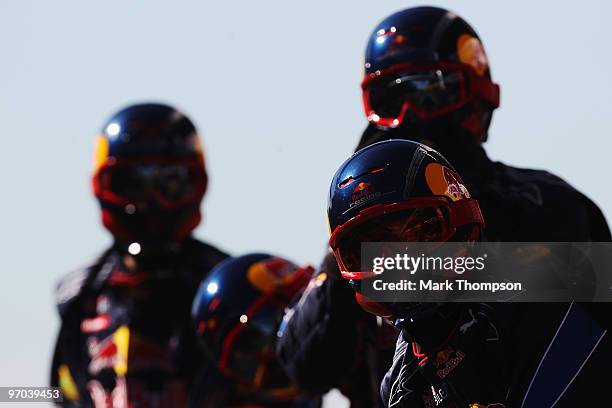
237,312
396,191
424,65
149,174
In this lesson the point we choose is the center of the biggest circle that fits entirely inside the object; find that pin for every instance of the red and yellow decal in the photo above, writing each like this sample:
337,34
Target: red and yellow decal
268,275
472,53
361,190
444,181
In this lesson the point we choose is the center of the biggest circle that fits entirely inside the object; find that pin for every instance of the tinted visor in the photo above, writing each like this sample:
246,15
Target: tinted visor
253,349
428,91
423,224
137,181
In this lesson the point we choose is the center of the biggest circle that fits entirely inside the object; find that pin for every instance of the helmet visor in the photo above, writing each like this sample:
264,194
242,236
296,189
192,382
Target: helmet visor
422,224
250,350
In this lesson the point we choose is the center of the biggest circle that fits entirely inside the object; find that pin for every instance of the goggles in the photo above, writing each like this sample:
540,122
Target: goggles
171,184
427,90
251,348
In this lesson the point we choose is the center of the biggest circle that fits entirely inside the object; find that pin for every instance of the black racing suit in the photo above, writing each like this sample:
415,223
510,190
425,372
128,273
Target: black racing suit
494,356
126,336
323,343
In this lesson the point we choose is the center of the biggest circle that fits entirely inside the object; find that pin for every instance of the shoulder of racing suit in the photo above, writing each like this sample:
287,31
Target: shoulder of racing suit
322,326
550,208
71,286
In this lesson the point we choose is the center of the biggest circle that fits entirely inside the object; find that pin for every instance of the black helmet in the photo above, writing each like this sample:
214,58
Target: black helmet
424,65
237,312
149,174
396,191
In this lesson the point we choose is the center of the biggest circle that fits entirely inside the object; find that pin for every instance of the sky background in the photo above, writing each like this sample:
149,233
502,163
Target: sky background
273,87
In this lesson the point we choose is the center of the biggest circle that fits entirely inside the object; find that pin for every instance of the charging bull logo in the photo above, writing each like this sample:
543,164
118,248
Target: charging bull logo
361,190
442,356
363,193
111,352
444,181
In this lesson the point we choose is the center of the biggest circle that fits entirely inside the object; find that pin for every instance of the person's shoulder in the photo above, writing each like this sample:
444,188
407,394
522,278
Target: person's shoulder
70,287
542,178
551,191
543,185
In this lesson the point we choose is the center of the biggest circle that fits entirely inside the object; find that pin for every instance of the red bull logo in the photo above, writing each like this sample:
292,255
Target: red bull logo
447,360
111,352
363,193
361,190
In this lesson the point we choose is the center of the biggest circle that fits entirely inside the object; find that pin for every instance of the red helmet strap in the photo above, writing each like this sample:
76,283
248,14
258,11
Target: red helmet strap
465,212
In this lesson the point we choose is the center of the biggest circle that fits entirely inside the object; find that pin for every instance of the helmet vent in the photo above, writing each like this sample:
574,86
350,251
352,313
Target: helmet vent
350,180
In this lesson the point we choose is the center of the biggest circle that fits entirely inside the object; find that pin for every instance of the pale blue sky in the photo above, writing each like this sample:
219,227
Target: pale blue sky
274,89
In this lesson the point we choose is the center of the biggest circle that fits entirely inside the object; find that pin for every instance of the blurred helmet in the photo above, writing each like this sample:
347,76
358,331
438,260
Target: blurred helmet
424,65
237,312
396,191
149,174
